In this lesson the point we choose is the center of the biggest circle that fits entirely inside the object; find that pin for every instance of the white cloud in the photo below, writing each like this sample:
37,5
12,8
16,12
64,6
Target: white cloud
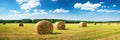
105,7
27,5
39,12
43,12
101,2
54,0
108,11
50,11
19,14
14,11
114,5
21,1
87,6
59,10
77,5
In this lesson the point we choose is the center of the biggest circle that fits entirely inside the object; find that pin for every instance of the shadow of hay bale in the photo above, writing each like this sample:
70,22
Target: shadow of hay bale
49,34
67,29
55,33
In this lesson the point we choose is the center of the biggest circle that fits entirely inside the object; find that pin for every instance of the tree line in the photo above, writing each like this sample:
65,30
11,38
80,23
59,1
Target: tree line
53,21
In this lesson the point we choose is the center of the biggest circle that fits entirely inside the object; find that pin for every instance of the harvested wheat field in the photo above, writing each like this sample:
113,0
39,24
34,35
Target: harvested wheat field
72,32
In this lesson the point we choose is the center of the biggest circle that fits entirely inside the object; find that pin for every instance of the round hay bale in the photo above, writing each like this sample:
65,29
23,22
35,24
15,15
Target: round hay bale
83,24
60,25
44,27
21,24
4,23
95,23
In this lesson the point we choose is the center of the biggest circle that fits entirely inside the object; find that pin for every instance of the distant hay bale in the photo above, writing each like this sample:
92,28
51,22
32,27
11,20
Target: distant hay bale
21,24
83,24
60,25
95,23
4,23
44,27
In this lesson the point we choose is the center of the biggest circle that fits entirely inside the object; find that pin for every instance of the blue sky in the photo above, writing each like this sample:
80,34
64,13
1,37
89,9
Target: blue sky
89,10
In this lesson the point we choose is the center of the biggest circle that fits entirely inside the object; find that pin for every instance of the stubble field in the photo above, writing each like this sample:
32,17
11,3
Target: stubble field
11,31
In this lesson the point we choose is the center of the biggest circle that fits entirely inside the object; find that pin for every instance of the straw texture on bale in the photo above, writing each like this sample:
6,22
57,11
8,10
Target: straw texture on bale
60,25
44,27
21,24
83,24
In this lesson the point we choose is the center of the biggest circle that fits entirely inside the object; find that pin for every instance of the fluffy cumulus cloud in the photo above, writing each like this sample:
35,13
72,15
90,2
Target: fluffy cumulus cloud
78,5
87,6
94,7
27,5
114,5
108,11
59,10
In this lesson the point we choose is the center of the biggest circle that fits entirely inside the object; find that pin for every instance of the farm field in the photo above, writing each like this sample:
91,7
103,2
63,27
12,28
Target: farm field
11,31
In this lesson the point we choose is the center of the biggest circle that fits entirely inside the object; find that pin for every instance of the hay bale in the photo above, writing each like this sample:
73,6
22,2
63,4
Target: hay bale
95,23
4,23
83,24
60,25
21,24
44,27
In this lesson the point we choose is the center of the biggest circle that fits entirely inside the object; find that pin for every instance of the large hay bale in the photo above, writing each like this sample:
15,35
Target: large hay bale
60,25
83,24
21,24
44,27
